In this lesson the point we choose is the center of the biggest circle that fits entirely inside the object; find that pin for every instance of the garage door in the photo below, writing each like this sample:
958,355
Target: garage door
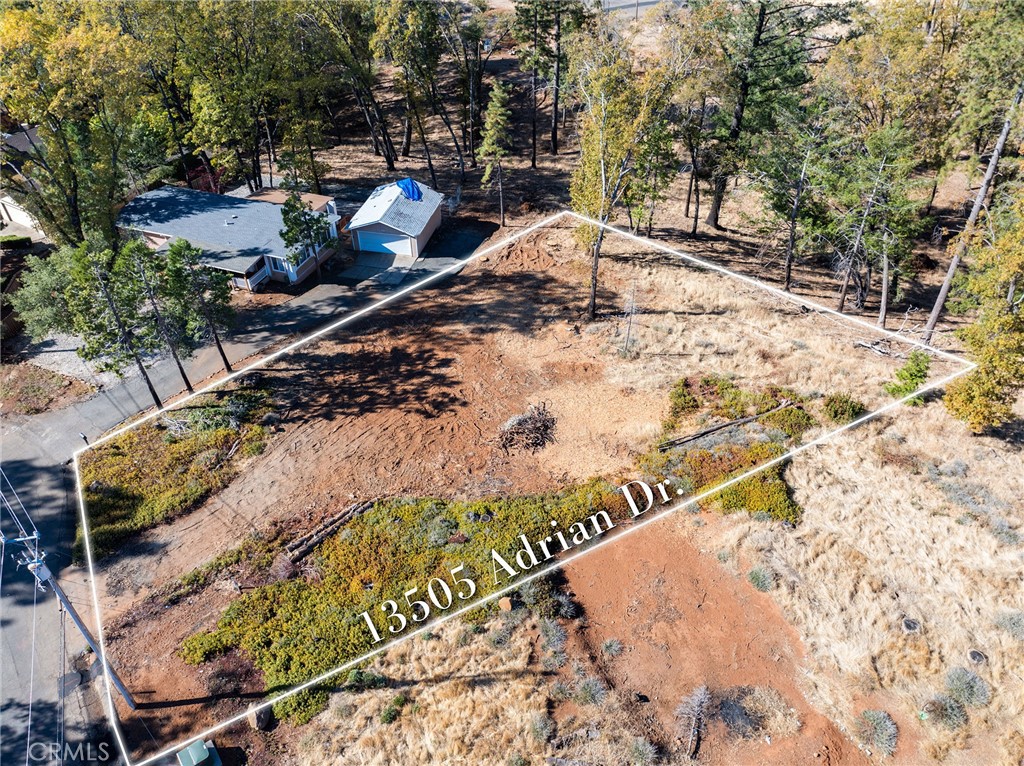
384,243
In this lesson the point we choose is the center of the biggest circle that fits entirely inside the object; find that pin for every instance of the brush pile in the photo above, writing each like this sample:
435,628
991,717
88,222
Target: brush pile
533,430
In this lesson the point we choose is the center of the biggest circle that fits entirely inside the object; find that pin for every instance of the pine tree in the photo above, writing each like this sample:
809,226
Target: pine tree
93,292
199,297
494,142
302,230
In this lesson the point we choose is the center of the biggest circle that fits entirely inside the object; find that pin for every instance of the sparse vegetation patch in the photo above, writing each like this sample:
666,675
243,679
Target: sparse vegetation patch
189,453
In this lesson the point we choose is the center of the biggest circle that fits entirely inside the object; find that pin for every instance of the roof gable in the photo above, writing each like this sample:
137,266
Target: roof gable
389,206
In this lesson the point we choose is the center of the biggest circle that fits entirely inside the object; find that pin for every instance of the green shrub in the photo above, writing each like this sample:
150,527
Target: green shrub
967,687
641,752
303,707
554,635
590,691
611,648
681,402
1012,623
946,711
554,661
361,680
560,691
842,408
542,727
910,377
793,421
877,730
394,708
518,759
762,578
200,647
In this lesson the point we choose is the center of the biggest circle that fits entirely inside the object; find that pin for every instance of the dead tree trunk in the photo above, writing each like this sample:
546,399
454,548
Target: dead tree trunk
972,219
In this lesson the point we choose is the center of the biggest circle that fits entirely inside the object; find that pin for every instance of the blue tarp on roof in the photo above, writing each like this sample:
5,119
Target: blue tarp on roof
410,189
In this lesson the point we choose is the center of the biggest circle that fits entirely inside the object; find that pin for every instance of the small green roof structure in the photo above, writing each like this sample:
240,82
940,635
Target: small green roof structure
199,753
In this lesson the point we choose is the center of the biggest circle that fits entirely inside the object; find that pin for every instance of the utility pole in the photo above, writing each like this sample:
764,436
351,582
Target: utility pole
32,557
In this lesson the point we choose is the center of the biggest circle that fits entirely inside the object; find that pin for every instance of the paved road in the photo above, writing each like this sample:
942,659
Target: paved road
34,451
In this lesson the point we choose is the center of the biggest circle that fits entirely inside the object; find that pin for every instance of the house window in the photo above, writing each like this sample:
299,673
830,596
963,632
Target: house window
278,265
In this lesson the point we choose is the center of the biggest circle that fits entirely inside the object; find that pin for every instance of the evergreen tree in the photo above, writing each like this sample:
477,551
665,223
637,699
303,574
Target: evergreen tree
95,293
303,229
199,298
148,267
495,142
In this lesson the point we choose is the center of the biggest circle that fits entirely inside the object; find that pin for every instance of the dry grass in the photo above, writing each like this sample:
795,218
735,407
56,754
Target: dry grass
879,543
468,703
776,716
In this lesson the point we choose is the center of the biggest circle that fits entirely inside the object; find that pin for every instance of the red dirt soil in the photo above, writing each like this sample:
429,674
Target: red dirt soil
685,622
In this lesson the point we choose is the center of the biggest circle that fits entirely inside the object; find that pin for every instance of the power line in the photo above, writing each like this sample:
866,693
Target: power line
31,678
32,557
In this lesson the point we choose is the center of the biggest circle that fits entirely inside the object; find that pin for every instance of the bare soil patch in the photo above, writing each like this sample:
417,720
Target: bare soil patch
26,389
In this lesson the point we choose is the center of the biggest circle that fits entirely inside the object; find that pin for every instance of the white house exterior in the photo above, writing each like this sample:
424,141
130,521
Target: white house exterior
392,222
12,211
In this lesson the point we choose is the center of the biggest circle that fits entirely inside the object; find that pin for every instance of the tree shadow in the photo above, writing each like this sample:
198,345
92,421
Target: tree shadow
407,355
83,745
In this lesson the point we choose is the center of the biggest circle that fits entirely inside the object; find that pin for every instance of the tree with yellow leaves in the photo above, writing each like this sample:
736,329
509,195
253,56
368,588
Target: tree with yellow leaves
995,340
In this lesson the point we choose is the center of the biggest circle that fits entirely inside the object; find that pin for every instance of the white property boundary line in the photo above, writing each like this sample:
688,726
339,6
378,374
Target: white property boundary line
347,319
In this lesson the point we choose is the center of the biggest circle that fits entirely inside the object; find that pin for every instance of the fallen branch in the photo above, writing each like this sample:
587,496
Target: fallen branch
303,546
533,430
665,446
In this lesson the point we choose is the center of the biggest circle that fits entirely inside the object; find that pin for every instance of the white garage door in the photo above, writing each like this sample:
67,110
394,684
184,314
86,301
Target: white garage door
375,242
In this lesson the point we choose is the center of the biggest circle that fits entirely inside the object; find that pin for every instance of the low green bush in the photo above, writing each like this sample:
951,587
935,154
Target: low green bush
792,421
877,730
762,578
1012,623
842,408
590,691
611,648
946,711
641,752
200,647
394,709
542,728
910,377
967,687
682,402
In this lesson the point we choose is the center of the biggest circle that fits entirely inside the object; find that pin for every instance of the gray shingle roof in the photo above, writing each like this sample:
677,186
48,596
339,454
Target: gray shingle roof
387,205
217,257
230,230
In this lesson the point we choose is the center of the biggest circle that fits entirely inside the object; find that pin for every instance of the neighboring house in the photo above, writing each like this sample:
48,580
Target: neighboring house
397,218
15,148
239,236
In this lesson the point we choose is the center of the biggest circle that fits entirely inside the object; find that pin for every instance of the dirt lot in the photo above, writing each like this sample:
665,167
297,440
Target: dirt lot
26,389
410,404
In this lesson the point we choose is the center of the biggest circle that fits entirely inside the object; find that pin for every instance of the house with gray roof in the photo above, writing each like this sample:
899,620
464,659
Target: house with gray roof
397,218
239,236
